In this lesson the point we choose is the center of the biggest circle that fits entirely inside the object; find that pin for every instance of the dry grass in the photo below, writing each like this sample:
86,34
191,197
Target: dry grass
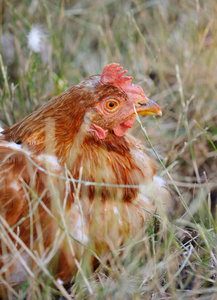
170,48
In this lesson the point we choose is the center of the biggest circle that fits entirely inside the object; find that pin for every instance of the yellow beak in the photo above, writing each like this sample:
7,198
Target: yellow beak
148,108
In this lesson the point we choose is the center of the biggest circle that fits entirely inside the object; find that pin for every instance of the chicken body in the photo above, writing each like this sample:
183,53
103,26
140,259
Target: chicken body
80,134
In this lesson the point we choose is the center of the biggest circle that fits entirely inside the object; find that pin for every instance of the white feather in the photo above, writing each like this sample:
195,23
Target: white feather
14,185
159,180
51,160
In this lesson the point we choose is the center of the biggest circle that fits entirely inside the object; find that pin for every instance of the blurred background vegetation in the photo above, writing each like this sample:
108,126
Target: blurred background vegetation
170,49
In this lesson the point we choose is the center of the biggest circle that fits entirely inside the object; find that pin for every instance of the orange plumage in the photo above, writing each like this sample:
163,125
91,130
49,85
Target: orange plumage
80,134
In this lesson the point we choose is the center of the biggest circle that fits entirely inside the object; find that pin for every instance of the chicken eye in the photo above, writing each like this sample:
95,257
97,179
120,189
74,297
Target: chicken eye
111,105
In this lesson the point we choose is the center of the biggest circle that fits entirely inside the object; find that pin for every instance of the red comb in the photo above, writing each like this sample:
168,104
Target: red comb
113,75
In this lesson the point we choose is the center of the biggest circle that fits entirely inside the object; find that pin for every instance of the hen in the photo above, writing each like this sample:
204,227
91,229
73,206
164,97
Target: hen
51,205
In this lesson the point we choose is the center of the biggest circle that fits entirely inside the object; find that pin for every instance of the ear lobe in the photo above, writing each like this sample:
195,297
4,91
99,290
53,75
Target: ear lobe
99,131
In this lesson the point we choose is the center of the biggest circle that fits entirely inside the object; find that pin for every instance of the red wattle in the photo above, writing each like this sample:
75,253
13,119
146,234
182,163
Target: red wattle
122,128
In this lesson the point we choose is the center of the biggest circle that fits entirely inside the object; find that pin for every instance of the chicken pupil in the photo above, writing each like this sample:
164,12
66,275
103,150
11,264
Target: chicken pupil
111,104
